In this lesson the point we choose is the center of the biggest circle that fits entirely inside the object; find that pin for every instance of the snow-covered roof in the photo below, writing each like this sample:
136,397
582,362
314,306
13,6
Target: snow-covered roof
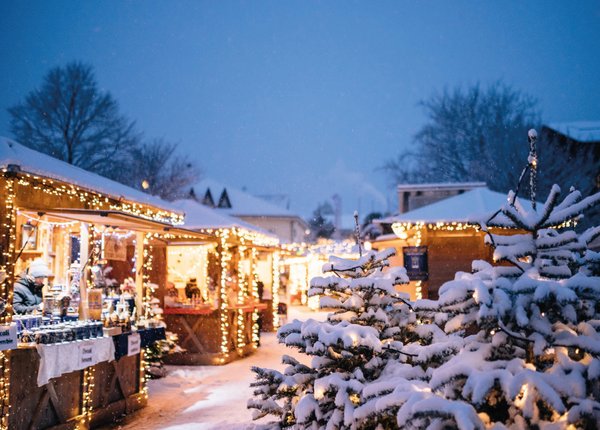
242,203
198,217
581,131
470,206
441,186
43,165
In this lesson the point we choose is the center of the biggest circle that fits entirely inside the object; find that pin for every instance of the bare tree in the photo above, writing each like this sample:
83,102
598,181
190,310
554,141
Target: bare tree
471,135
159,170
70,118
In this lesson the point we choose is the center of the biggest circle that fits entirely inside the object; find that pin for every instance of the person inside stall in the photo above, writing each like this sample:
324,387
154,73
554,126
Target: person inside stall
192,290
27,295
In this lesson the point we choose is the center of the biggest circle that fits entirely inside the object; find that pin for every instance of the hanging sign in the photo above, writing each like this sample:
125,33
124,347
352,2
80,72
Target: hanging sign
115,248
415,262
133,344
8,337
86,354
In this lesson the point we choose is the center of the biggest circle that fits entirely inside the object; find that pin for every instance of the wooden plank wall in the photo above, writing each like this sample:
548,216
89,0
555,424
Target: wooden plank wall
449,253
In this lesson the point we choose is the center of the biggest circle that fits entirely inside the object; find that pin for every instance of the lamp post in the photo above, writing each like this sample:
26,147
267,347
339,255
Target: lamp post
532,160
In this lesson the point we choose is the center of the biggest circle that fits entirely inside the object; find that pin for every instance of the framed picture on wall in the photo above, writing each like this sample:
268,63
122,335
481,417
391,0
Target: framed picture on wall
29,237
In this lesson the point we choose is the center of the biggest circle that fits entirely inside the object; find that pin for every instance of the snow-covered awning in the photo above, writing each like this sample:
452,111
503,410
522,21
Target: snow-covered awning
42,165
470,207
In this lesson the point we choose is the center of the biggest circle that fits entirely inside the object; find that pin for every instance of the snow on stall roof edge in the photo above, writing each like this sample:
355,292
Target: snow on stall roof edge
39,164
470,206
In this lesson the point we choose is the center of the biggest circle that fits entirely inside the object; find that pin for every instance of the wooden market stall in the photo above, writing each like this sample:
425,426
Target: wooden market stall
74,374
301,262
220,294
435,241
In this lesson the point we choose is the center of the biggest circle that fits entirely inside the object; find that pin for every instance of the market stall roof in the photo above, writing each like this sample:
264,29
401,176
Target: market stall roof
471,207
122,220
39,164
200,217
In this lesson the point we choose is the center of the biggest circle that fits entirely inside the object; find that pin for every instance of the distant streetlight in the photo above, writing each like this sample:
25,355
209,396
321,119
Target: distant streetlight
145,184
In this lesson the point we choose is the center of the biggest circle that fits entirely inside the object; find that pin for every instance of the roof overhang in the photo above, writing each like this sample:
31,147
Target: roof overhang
122,220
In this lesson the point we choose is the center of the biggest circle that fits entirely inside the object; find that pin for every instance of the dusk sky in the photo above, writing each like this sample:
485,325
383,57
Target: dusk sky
304,98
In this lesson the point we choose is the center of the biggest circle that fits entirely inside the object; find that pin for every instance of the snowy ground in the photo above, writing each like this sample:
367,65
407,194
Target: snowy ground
210,397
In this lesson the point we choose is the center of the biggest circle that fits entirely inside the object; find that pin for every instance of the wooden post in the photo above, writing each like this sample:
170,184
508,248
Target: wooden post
139,271
84,253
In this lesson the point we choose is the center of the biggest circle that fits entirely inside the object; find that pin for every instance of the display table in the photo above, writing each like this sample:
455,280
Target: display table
201,335
84,398
147,337
60,358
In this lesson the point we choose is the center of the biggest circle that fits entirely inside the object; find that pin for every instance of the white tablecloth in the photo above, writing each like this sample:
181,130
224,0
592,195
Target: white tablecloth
61,358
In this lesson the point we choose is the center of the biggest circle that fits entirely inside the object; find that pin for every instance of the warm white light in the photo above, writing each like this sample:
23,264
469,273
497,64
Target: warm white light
145,184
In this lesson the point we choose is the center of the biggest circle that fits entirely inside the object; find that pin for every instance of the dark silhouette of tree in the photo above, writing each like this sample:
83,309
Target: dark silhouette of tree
70,118
160,171
470,135
320,225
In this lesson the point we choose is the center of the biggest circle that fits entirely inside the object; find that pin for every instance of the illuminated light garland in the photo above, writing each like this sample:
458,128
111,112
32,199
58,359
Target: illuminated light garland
244,236
242,290
146,269
255,314
4,389
275,291
44,222
144,372
204,290
97,200
86,401
225,258
6,293
8,256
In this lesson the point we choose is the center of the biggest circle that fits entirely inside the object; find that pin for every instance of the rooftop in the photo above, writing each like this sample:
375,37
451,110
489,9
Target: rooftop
471,206
43,165
241,203
581,131
441,186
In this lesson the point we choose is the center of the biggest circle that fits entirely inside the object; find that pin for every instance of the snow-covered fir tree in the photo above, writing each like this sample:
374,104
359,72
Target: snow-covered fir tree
527,329
361,339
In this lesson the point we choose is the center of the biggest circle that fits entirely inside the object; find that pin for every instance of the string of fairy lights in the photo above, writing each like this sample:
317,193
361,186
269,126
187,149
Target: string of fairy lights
7,267
255,313
242,292
225,258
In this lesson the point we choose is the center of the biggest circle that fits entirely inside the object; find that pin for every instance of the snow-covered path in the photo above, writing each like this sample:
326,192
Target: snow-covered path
210,397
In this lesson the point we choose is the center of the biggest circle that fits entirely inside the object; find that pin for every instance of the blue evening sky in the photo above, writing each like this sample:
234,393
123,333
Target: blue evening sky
303,98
